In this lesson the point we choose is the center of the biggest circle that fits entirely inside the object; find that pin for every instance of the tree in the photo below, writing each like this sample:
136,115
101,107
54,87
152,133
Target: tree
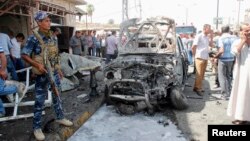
111,21
90,11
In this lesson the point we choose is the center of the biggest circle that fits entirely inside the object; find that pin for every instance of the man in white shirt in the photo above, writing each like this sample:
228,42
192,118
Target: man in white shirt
16,51
111,43
200,50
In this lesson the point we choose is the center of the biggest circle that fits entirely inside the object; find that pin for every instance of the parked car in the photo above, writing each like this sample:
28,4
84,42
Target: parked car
151,68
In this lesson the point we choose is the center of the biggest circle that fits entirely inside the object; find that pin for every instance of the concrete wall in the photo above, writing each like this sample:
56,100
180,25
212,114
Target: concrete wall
14,23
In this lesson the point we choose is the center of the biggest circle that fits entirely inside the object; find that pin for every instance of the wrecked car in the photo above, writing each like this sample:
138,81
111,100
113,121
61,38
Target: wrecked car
150,70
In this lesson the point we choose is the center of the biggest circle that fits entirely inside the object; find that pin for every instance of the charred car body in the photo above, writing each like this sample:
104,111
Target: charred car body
150,69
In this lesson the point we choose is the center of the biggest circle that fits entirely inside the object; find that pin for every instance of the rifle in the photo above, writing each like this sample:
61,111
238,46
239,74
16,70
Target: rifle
47,64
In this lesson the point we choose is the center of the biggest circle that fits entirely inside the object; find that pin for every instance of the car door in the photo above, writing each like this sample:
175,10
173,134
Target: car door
183,58
182,50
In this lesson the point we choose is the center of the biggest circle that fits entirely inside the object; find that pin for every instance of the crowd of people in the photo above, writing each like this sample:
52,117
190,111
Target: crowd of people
229,55
232,55
92,44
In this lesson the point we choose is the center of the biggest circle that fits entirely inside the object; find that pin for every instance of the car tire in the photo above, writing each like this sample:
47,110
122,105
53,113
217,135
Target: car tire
178,99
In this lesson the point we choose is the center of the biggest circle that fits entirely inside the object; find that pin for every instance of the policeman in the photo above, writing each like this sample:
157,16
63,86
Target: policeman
32,53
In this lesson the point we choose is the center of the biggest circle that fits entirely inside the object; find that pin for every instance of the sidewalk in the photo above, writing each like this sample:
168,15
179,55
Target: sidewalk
202,112
74,107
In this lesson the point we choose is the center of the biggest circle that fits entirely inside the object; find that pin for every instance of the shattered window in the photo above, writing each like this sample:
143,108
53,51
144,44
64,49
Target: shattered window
155,36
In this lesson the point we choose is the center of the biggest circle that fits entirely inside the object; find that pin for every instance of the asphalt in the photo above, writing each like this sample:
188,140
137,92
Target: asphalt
193,122
202,111
75,108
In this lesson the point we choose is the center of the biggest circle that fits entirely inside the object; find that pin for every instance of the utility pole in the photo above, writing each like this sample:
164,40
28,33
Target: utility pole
186,15
140,9
217,14
124,10
238,22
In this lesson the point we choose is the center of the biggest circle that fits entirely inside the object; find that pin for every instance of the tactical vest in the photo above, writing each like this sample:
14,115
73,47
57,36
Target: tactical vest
52,54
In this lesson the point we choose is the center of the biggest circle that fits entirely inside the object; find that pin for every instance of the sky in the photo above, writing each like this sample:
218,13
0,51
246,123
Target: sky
199,11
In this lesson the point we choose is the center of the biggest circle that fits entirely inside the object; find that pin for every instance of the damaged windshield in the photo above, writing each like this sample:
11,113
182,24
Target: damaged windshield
154,35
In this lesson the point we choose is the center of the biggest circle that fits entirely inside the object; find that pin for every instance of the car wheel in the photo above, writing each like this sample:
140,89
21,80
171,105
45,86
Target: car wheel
178,99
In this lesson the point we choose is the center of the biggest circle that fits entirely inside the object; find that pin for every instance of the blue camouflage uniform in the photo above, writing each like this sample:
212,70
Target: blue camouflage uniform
32,46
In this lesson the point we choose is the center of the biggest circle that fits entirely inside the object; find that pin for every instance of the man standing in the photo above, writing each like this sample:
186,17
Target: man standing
36,48
90,43
75,43
84,43
189,46
94,39
16,50
226,59
4,90
111,47
7,46
16,54
200,50
56,32
238,106
103,46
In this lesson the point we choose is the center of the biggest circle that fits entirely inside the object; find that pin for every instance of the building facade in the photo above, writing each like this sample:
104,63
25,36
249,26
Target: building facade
17,15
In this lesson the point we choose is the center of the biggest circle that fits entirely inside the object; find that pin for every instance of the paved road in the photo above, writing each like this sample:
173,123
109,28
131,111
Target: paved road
107,125
193,122
202,112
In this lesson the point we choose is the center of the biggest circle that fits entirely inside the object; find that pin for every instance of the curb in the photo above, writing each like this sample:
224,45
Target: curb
67,132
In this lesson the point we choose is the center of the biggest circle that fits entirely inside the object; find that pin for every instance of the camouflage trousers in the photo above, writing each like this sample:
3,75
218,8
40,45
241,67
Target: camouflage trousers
41,91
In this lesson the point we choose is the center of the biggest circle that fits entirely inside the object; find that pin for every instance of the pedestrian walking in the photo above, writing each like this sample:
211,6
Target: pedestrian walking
200,50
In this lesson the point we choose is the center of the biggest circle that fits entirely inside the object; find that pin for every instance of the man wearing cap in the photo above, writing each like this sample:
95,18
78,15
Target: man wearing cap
34,48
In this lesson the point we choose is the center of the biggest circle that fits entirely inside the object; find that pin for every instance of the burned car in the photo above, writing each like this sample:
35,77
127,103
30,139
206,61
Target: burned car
150,70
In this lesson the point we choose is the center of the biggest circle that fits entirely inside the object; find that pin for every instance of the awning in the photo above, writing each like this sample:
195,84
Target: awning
80,12
54,9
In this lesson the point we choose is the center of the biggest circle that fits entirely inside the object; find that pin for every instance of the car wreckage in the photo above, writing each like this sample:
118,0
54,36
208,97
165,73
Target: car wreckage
151,67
